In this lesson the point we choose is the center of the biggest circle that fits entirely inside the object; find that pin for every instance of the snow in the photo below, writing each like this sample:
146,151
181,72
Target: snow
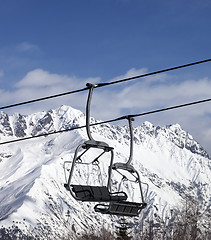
32,172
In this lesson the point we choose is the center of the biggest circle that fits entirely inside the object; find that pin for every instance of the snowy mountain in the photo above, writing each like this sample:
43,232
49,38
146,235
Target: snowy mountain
33,197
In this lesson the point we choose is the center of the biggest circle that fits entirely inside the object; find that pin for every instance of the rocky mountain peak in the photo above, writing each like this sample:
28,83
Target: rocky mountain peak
66,117
32,175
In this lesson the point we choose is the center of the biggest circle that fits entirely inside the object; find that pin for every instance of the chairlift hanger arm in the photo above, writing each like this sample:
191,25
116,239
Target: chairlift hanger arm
90,87
91,142
130,119
127,166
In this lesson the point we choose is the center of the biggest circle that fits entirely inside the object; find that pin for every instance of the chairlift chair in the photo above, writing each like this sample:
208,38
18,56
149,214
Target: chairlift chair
123,207
86,192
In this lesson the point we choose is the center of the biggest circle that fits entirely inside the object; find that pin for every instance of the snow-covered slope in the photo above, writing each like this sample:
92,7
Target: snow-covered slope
33,196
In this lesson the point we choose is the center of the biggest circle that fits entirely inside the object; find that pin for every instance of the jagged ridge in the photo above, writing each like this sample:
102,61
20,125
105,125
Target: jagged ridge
20,126
168,159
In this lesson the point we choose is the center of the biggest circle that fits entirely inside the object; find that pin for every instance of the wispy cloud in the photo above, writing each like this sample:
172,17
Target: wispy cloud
23,47
26,47
1,73
17,59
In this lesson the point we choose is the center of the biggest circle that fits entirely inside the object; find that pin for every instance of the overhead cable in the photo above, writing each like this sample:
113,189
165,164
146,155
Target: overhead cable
109,121
171,108
104,84
43,98
153,73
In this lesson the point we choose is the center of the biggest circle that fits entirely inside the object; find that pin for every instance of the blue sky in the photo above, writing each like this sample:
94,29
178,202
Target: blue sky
52,46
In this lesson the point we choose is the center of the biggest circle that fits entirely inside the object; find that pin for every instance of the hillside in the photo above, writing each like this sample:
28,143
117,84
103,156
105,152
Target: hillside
33,197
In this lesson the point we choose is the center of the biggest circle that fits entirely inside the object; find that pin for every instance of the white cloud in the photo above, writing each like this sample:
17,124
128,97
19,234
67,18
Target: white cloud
40,78
147,95
143,96
129,98
40,83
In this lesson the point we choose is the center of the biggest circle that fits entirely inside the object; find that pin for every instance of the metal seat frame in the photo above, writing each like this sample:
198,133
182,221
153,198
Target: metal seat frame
91,193
125,208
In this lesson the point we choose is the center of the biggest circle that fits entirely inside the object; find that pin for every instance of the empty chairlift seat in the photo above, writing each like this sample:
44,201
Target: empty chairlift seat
123,208
95,193
100,192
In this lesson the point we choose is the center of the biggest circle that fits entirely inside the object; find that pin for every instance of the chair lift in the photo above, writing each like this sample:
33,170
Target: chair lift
86,192
122,207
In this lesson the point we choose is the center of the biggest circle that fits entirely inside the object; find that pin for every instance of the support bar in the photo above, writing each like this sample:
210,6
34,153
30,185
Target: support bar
91,87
